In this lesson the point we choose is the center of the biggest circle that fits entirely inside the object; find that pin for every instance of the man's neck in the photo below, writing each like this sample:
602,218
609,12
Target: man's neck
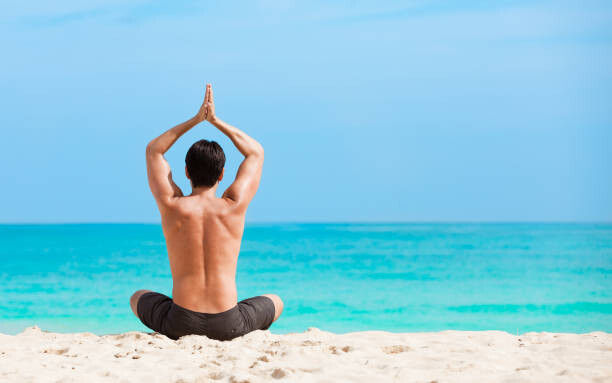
205,191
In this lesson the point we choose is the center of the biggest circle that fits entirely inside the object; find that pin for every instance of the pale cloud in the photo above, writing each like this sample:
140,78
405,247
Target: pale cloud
64,12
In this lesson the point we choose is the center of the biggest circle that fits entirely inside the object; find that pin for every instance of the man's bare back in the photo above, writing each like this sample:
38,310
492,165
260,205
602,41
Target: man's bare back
203,234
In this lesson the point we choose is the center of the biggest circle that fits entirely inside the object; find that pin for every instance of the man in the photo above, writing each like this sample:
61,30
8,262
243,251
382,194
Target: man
203,235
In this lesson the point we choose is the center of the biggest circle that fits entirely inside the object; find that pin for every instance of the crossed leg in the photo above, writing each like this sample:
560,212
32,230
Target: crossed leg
278,303
134,300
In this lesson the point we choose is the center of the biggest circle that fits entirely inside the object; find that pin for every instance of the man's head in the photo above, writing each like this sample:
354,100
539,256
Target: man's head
204,163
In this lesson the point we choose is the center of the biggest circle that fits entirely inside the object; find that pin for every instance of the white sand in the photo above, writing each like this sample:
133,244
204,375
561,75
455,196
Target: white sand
313,356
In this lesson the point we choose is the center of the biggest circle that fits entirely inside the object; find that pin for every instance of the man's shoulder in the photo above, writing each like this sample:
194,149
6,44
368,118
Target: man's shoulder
189,205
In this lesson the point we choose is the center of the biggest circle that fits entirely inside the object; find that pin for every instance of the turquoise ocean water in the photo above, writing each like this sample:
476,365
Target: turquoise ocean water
337,277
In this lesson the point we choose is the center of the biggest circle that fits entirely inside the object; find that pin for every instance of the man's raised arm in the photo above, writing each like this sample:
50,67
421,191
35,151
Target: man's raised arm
247,179
158,170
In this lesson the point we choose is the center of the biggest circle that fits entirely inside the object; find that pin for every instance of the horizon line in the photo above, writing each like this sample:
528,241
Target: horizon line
334,222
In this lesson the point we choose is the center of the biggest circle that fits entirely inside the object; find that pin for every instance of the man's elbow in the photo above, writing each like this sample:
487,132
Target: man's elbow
255,151
259,150
151,148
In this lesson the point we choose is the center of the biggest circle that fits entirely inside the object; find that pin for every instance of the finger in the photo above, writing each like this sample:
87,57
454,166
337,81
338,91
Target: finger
210,94
206,95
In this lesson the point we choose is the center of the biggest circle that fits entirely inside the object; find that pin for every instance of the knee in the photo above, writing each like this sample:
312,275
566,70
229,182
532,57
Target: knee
134,300
278,304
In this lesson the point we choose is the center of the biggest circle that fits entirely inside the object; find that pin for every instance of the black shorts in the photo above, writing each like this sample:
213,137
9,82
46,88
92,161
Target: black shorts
159,313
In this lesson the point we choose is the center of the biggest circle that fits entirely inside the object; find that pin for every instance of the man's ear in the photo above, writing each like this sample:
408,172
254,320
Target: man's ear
187,174
221,175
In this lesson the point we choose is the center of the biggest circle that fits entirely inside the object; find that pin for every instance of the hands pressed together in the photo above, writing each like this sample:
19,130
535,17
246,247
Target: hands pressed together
207,110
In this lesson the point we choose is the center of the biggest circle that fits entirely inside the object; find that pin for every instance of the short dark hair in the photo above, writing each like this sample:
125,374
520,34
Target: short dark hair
205,161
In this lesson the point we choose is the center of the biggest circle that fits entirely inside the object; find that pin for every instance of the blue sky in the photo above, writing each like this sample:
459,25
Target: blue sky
368,111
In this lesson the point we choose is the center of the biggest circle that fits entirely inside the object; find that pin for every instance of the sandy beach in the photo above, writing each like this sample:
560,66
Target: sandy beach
448,356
